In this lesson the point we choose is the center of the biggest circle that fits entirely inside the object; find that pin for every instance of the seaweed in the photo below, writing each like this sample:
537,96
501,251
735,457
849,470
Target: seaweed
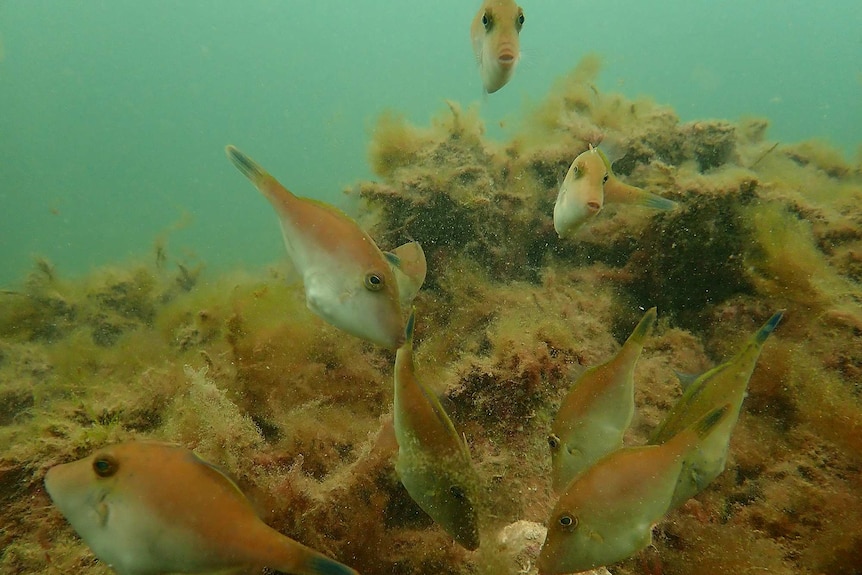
235,366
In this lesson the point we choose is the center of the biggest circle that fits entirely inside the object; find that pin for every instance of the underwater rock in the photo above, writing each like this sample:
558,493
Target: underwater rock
519,544
694,258
130,299
104,332
711,143
36,315
457,194
654,136
821,156
512,315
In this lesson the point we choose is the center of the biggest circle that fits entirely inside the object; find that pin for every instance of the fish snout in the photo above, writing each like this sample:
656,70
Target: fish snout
507,56
49,481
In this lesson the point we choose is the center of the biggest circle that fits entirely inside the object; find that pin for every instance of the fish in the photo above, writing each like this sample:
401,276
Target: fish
147,508
433,460
349,282
606,513
495,36
588,185
725,383
597,410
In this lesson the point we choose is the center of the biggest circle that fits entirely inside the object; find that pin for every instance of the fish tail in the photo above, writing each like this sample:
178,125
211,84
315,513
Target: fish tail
768,327
304,560
322,565
249,168
656,202
618,192
643,327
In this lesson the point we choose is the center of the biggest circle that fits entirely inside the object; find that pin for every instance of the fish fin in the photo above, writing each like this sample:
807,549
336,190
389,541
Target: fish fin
619,192
643,327
443,418
604,158
322,565
248,167
392,259
279,196
466,446
768,327
430,396
221,474
411,257
686,379
408,262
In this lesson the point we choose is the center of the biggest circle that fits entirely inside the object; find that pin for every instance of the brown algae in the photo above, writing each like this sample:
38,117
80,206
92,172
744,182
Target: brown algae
235,367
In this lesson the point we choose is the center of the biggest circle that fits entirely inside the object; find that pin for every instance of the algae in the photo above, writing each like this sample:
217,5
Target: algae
511,315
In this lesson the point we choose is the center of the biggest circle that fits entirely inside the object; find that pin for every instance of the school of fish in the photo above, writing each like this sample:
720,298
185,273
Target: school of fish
147,508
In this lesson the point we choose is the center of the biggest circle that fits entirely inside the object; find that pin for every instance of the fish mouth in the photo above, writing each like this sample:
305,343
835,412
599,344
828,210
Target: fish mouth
507,57
507,61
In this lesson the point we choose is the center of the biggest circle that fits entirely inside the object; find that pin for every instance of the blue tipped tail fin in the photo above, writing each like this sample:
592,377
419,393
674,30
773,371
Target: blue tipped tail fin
643,327
768,327
657,202
320,565
249,168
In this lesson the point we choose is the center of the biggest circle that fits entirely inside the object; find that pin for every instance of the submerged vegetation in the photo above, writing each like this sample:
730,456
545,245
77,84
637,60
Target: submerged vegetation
238,369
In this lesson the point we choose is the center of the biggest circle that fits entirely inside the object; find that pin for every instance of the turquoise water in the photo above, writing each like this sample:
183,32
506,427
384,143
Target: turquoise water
114,114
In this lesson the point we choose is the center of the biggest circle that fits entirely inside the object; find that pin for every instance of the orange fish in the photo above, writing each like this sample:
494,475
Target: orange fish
597,411
725,383
147,508
606,513
588,185
433,460
495,36
348,281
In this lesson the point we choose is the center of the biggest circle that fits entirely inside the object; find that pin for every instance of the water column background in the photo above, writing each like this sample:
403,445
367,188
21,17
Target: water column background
114,114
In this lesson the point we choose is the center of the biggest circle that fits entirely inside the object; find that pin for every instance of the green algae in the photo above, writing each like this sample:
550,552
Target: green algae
234,366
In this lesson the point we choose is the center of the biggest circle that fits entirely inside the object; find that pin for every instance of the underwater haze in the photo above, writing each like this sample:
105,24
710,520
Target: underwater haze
114,114
606,316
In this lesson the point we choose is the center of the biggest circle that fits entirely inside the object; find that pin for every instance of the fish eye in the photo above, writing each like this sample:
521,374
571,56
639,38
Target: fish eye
568,521
520,20
605,179
457,492
374,282
553,441
486,21
105,466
